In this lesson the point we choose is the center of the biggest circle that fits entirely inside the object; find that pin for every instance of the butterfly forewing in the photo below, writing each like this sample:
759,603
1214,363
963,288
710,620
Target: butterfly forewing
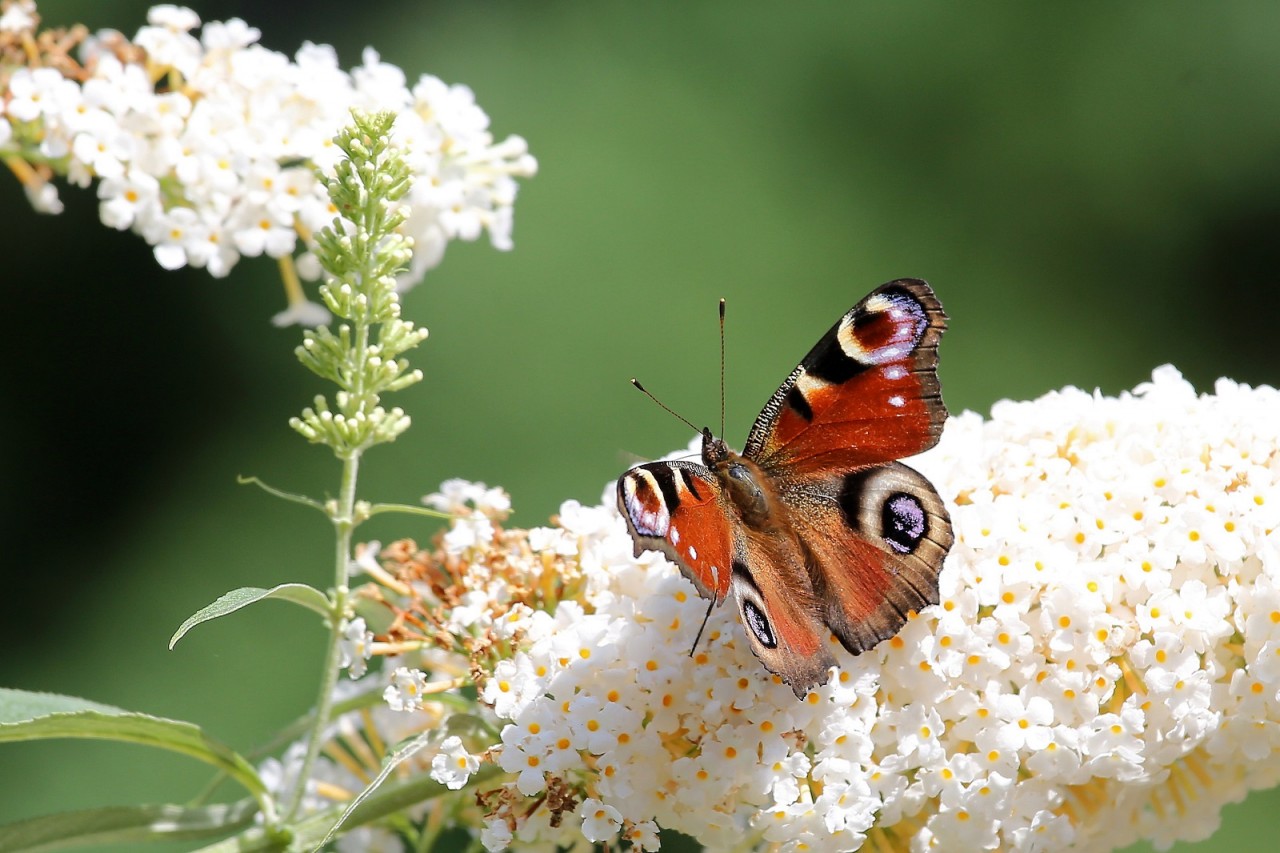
678,508
867,393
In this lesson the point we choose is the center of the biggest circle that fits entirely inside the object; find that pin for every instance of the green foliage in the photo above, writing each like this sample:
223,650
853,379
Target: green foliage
126,825
298,593
36,716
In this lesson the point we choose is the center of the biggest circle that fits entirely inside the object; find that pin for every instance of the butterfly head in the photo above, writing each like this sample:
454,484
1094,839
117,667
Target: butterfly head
714,450
740,478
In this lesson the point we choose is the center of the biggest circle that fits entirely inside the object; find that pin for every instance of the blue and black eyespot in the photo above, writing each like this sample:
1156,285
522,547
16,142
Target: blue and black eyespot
901,517
758,624
903,522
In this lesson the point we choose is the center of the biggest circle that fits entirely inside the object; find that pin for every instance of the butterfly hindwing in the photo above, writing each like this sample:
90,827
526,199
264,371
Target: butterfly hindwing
867,393
780,612
680,509
876,539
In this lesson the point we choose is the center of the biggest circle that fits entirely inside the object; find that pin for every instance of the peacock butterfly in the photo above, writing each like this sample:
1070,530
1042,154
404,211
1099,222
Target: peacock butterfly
821,534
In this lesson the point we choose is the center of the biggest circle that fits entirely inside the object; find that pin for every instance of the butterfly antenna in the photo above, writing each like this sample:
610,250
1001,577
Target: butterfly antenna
668,409
702,627
721,370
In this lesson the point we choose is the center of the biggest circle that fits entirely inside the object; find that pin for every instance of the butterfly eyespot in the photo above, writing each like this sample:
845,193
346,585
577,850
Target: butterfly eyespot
892,324
758,624
647,501
903,522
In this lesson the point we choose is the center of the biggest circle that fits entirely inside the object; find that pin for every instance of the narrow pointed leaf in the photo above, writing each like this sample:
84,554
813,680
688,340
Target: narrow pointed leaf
393,796
131,825
17,706
402,754
298,593
36,716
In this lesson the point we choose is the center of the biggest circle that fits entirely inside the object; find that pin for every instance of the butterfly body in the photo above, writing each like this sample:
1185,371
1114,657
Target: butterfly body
816,529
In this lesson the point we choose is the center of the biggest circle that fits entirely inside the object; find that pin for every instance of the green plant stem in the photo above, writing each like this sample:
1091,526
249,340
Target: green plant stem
407,509
344,525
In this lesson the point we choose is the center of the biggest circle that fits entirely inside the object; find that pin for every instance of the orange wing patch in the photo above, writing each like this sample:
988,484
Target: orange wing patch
678,508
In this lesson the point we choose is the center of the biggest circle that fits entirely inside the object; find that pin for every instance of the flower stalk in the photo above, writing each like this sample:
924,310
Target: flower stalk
362,253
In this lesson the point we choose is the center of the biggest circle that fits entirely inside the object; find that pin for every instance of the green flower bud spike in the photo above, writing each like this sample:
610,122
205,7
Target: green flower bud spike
361,253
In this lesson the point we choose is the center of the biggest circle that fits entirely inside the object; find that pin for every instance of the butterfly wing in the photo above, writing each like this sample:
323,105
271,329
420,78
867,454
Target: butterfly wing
860,552
780,611
875,540
875,531
678,508
866,394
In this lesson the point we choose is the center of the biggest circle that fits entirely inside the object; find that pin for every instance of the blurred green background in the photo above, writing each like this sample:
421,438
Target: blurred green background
1093,190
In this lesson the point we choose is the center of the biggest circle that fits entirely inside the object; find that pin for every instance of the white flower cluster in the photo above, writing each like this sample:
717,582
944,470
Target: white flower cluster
217,162
474,507
1104,664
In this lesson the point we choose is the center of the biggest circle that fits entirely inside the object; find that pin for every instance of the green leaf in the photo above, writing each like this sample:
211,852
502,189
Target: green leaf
288,496
21,705
36,716
126,825
298,593
402,754
407,509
